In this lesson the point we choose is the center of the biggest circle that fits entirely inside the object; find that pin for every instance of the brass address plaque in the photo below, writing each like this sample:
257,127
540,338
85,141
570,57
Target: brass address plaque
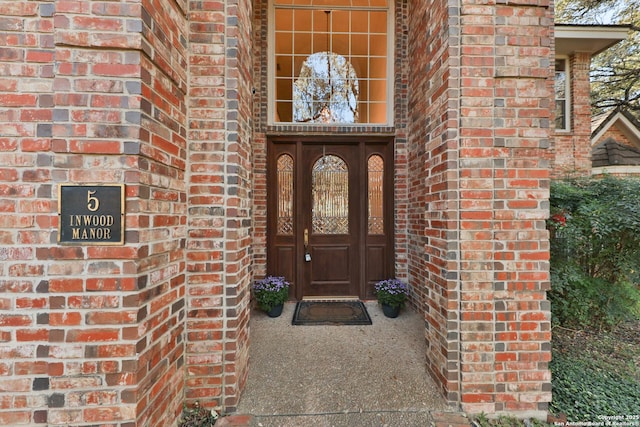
91,214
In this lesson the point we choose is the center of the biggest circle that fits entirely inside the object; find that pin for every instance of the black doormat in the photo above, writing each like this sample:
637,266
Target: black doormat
330,313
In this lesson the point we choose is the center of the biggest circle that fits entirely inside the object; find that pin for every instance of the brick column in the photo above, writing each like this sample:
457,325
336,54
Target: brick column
219,253
432,178
504,187
160,174
482,103
94,333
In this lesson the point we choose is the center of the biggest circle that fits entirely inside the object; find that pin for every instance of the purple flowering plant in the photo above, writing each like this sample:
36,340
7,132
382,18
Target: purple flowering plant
270,292
392,292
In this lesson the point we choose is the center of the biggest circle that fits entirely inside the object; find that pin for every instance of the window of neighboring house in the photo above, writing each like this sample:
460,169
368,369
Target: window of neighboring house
331,62
562,94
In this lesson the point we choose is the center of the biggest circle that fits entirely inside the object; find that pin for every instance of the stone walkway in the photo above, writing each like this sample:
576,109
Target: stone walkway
340,375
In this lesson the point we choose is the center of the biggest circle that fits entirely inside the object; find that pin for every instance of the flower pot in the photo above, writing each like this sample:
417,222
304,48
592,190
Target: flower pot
389,311
275,311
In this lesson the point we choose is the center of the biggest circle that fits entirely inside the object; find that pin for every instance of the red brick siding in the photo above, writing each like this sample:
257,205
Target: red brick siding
431,157
220,201
161,175
101,327
401,152
503,190
478,245
259,148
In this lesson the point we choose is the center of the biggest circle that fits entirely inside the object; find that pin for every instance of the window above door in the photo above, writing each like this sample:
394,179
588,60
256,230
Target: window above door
330,62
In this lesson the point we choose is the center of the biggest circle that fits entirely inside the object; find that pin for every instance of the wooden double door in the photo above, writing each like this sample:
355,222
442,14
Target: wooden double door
330,214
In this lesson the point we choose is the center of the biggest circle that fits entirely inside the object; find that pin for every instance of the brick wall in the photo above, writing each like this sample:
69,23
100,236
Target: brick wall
259,147
219,198
160,174
92,334
432,153
504,258
481,199
26,84
401,105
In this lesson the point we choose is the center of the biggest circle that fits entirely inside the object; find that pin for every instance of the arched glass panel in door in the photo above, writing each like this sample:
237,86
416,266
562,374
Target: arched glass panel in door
330,196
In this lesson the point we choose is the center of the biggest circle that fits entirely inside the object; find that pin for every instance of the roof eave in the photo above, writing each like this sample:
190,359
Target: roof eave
592,39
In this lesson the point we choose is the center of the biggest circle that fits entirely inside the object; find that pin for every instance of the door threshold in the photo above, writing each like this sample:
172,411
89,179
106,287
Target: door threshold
331,298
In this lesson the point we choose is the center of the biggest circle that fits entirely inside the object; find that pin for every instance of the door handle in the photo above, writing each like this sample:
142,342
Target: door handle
307,255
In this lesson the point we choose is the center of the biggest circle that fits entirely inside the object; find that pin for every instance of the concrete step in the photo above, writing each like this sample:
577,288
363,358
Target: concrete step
352,419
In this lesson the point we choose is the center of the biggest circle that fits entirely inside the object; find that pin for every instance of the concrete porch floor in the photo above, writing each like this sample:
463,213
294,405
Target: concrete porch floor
340,375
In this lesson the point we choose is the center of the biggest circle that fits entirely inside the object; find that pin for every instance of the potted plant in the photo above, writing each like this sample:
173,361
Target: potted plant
391,294
271,294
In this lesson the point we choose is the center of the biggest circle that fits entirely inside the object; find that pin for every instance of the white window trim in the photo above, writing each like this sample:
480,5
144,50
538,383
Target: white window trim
271,69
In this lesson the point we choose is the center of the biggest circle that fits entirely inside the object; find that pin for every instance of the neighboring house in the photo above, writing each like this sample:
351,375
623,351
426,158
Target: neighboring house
230,140
575,46
616,144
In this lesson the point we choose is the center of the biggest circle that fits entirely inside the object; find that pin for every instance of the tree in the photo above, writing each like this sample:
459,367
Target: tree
615,73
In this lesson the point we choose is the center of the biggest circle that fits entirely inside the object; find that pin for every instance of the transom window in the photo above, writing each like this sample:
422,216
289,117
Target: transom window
330,62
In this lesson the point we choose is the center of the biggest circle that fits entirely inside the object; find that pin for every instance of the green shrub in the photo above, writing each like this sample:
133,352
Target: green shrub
595,251
580,301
